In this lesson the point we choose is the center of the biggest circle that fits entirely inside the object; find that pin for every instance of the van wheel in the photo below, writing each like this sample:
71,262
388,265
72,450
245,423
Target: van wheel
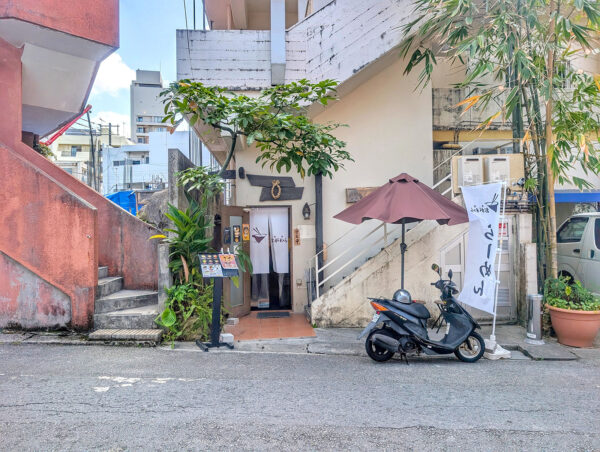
471,349
375,352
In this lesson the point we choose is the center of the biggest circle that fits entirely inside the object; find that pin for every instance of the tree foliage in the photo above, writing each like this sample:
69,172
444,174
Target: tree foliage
522,55
275,121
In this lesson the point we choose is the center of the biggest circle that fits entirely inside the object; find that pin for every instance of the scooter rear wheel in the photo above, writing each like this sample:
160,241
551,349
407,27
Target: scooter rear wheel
375,352
471,349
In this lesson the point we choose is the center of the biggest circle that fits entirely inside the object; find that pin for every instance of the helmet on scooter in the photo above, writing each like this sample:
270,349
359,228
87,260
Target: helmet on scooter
402,296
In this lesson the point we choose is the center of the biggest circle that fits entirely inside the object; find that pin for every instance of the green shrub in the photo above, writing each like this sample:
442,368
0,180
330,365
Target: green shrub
565,294
188,312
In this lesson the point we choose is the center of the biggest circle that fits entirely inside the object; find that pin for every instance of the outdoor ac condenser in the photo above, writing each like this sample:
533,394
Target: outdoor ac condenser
470,170
497,168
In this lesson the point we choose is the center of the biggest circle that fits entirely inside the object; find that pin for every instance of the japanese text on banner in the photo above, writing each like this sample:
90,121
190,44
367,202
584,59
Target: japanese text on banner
483,205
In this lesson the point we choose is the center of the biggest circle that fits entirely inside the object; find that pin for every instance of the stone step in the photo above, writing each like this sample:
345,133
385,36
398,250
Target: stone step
108,285
125,299
102,272
141,317
137,335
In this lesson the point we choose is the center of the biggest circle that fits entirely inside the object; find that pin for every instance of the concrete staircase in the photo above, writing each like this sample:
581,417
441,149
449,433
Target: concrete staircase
124,314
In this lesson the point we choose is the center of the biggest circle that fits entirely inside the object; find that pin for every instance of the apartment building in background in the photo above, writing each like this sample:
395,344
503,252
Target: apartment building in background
72,149
147,110
146,166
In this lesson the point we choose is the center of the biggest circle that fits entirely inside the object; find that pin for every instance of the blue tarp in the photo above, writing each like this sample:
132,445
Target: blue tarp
124,199
577,196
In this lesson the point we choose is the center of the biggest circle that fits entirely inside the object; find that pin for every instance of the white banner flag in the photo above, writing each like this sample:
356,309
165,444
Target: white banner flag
483,205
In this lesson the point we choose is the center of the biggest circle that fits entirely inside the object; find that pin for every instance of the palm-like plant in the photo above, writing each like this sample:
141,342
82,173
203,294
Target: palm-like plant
190,237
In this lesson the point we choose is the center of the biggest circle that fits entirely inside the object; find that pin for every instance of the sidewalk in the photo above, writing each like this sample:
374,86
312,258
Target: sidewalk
342,341
328,341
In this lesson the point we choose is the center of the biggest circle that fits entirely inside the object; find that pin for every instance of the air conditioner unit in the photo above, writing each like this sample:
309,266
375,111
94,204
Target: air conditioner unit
470,170
484,151
497,169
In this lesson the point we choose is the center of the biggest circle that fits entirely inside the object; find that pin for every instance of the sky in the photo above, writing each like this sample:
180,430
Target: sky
147,41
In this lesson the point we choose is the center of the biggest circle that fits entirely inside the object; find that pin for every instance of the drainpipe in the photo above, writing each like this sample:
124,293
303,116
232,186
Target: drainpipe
319,220
277,42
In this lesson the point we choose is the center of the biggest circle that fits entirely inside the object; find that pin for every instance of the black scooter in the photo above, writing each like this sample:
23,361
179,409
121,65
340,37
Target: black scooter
399,325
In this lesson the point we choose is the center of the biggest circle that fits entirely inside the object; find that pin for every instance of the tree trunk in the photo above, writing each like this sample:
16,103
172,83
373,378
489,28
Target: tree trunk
551,262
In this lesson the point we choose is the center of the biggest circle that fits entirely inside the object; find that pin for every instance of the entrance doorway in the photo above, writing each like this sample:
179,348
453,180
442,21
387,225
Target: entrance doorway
271,260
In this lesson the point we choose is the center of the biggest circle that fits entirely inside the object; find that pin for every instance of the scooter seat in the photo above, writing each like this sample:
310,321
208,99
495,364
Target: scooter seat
416,309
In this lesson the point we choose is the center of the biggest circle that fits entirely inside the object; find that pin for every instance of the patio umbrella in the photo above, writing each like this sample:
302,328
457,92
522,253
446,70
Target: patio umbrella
404,200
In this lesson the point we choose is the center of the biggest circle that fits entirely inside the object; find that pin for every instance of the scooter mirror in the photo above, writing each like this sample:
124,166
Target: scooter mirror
435,268
450,274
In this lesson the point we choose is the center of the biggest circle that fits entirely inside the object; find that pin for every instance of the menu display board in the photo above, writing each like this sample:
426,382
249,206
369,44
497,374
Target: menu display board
210,265
215,265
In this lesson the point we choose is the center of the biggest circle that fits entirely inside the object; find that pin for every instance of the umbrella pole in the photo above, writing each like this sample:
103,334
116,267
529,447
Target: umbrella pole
402,250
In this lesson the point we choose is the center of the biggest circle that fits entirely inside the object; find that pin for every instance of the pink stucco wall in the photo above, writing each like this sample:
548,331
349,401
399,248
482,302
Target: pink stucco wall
96,20
56,226
20,293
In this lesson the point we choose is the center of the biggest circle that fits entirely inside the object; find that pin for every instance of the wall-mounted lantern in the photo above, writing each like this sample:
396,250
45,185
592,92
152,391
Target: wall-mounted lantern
306,211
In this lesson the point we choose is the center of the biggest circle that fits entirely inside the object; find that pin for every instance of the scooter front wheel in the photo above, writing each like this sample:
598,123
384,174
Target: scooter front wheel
471,349
376,352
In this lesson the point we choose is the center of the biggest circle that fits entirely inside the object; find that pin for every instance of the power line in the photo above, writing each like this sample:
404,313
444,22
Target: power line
187,37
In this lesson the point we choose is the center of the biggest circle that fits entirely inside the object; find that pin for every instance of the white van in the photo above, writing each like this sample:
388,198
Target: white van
579,249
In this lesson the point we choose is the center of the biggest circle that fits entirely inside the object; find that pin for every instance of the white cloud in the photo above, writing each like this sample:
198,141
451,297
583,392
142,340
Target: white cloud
113,76
116,119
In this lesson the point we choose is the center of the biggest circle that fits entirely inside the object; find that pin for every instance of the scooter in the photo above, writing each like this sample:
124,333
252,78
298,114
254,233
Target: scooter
399,326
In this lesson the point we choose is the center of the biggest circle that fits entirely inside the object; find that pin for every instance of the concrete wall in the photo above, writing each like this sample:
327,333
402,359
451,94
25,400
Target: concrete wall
236,59
51,232
346,305
343,37
335,42
27,301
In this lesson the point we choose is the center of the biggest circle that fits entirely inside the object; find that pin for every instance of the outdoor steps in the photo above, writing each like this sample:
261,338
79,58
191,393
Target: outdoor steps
124,314
102,272
141,317
108,285
125,299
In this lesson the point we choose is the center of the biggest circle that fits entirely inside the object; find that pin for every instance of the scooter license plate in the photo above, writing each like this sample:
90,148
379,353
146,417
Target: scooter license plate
375,318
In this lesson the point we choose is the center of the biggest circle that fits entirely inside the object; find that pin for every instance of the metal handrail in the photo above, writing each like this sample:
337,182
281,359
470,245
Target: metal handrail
349,262
441,181
356,253
337,240
349,249
450,158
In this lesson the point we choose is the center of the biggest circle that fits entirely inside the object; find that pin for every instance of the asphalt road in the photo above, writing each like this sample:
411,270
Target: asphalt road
109,398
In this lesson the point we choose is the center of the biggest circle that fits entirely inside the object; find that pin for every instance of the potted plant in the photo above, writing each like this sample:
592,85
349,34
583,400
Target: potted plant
574,311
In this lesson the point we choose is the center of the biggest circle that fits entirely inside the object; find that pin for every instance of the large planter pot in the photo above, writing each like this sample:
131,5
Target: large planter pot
575,328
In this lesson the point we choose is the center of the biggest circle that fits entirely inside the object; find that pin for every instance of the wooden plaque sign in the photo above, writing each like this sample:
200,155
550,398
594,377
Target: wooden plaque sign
356,194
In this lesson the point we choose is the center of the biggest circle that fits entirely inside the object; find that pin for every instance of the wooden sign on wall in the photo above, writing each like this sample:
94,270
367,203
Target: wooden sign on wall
356,194
276,188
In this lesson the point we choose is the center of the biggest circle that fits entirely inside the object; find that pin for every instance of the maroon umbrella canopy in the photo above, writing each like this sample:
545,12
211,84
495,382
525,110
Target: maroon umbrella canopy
404,198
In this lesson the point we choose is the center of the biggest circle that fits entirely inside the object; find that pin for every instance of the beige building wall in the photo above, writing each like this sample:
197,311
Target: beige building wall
389,133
